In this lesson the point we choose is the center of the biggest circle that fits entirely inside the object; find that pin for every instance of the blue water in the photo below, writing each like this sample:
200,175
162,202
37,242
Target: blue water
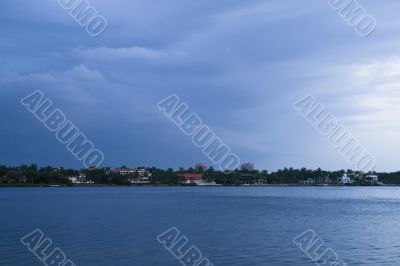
231,226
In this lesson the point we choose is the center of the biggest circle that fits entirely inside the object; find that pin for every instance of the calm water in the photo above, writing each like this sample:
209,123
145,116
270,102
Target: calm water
231,226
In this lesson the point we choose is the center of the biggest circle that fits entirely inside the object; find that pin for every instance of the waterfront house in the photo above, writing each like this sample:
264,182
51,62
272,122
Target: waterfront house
124,171
190,178
252,179
140,180
139,172
308,181
3,180
325,180
346,179
373,178
143,173
366,177
80,179
16,179
195,179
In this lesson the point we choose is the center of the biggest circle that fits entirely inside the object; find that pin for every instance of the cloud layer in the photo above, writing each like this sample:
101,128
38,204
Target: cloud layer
239,65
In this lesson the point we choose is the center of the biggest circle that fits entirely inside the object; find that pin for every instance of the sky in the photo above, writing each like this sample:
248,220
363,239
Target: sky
239,65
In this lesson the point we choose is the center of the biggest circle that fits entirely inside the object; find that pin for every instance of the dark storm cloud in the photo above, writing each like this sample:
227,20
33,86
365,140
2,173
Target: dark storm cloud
239,65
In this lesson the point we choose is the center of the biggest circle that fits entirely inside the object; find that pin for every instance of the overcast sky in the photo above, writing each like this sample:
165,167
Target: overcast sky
239,65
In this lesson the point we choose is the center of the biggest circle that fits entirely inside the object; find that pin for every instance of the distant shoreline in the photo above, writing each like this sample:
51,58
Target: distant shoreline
24,185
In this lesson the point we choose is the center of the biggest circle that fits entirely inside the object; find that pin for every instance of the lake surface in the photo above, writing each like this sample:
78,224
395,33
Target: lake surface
230,225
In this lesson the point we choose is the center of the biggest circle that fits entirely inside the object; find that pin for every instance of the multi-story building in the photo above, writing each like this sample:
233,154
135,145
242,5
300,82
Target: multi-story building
140,172
247,167
366,177
124,171
139,175
201,167
374,178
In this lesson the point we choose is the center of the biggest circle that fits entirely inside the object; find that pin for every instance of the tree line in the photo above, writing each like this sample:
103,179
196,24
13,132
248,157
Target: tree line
32,174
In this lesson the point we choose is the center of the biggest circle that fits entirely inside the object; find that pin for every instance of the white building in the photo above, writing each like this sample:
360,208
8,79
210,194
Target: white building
366,177
346,179
141,172
373,178
124,171
80,179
